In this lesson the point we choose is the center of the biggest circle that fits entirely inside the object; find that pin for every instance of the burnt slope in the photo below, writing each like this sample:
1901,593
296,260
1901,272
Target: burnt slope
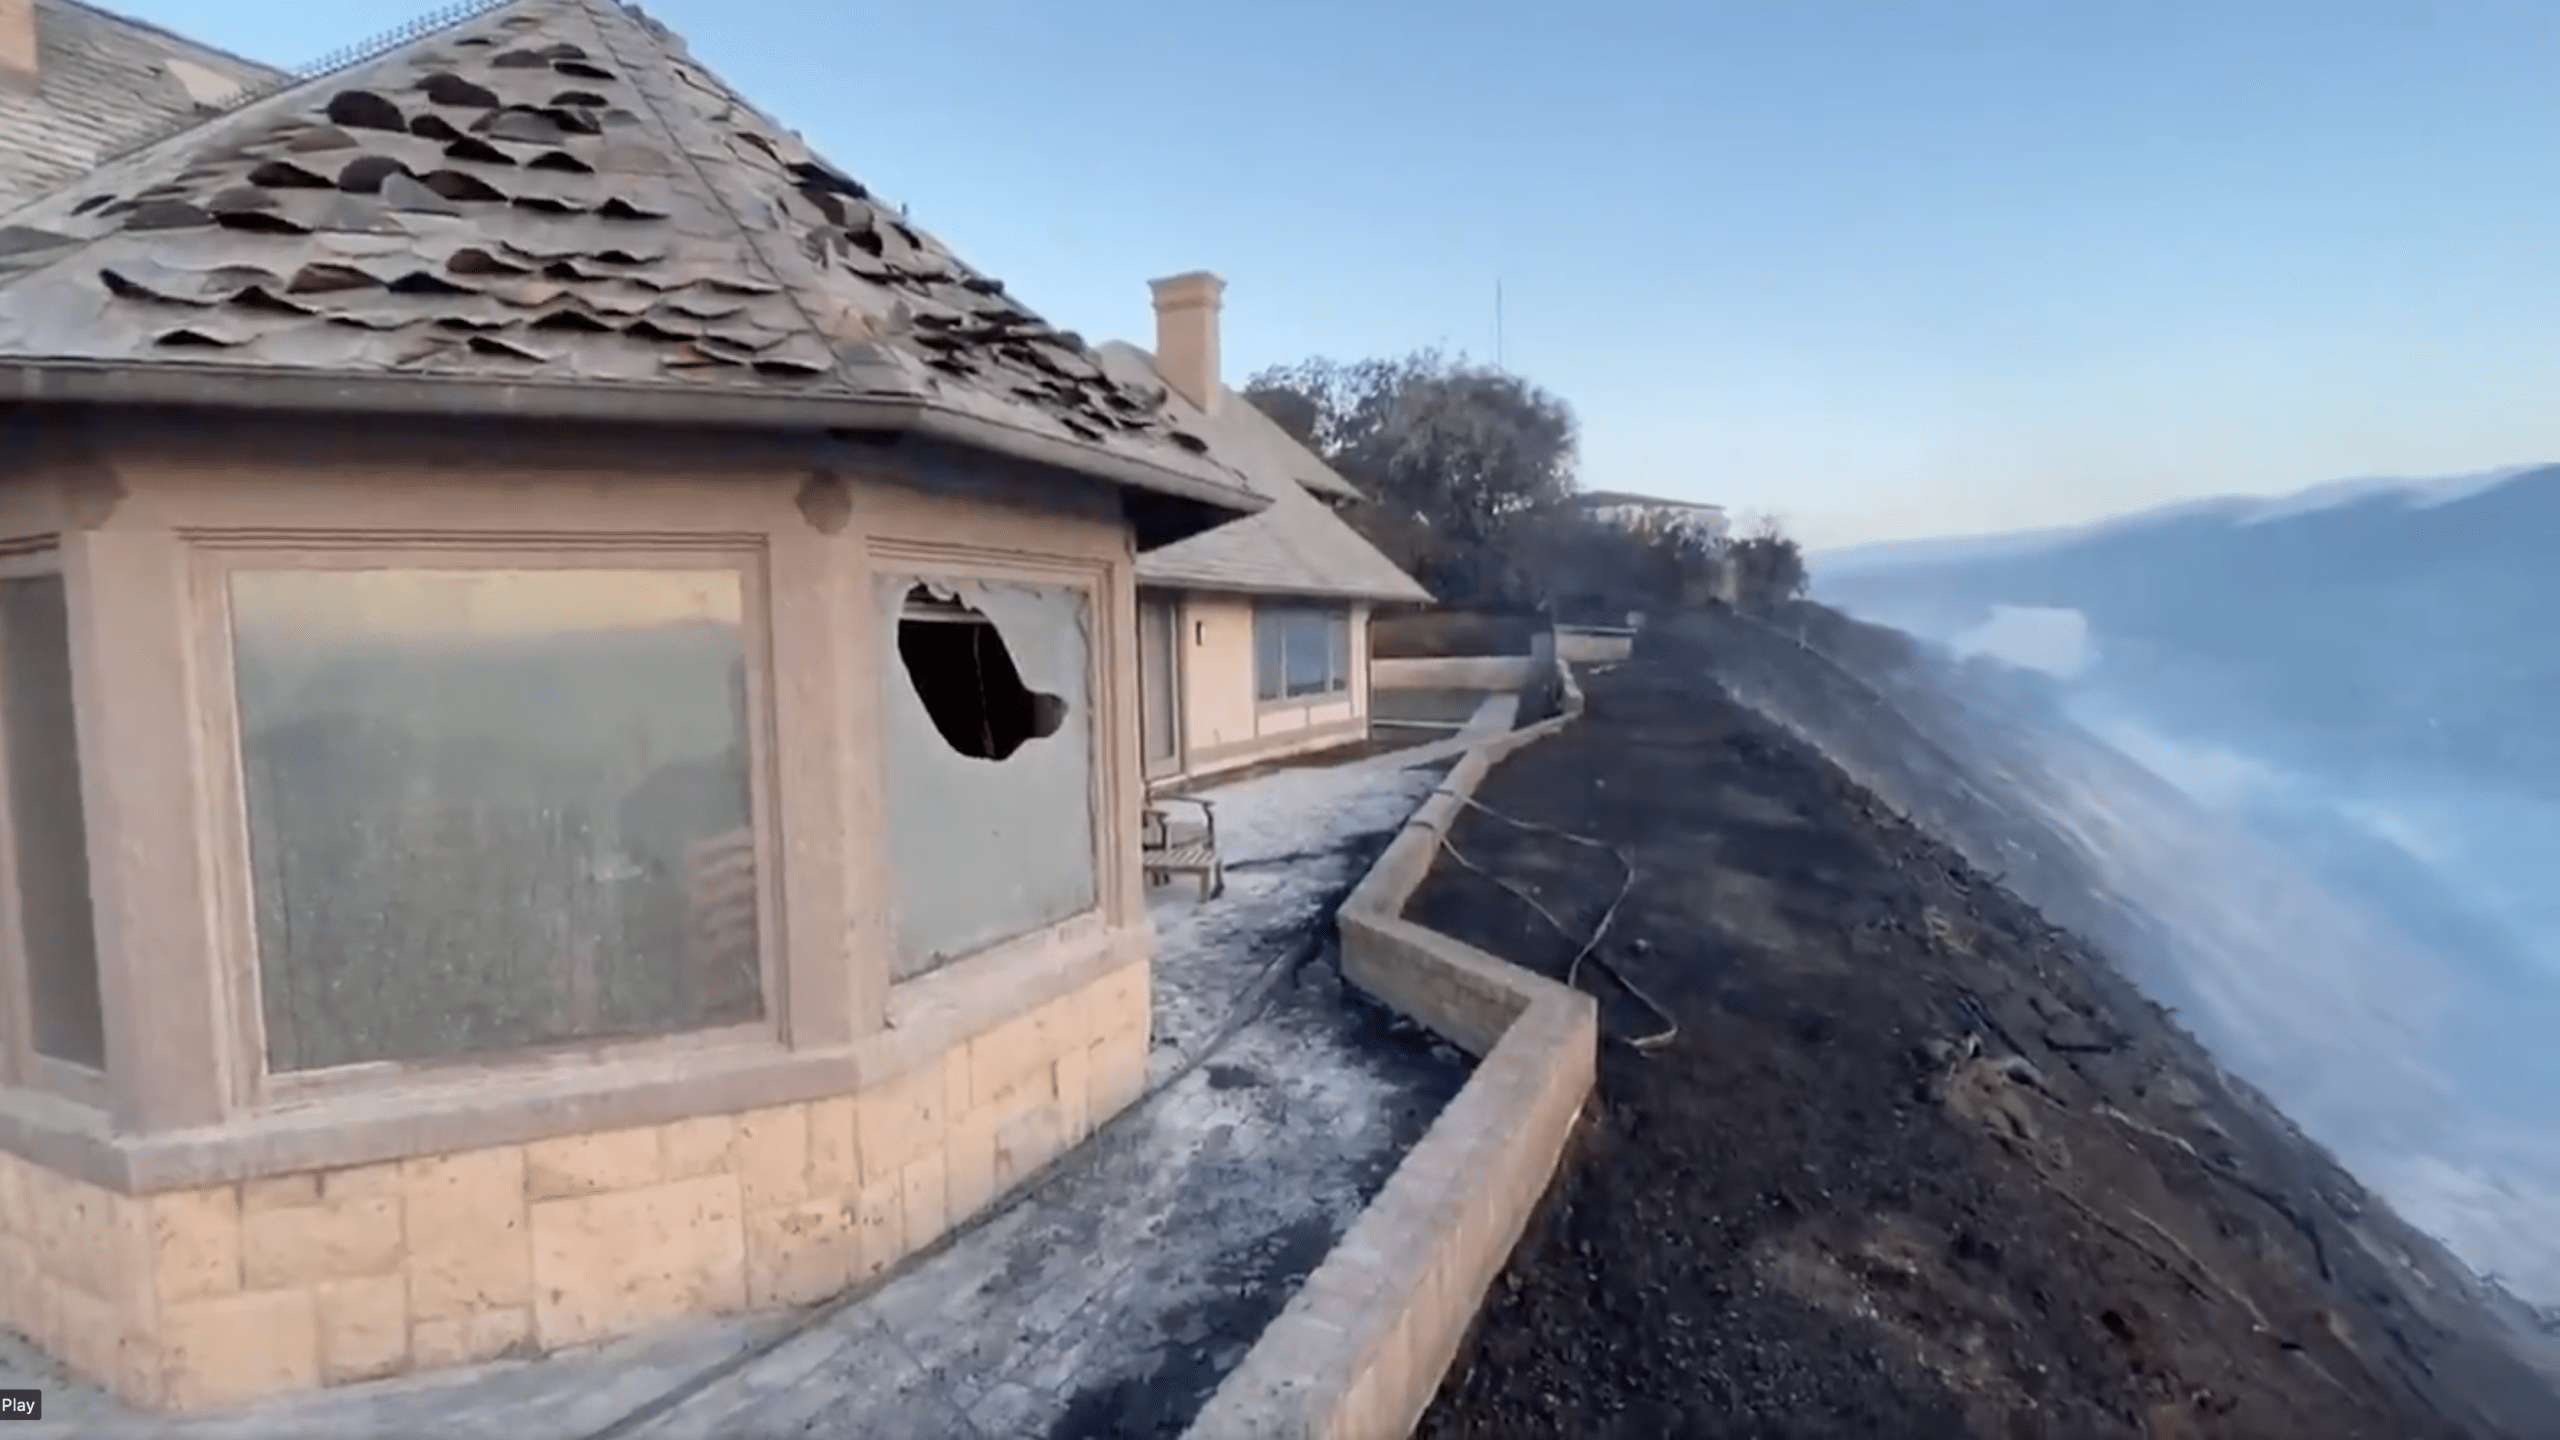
1918,1163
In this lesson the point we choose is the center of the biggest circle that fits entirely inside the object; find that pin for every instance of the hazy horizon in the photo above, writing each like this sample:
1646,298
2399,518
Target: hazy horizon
2425,489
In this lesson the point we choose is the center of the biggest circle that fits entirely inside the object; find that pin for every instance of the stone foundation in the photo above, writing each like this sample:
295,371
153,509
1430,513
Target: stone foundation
210,1297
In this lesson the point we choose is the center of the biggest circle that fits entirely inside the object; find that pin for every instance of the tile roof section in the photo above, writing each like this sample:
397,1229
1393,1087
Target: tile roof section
101,79
552,196
1296,547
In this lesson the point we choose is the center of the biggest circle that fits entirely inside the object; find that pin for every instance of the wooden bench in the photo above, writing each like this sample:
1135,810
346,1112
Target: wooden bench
1165,852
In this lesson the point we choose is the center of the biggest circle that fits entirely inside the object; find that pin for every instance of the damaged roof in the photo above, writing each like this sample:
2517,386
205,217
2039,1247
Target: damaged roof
102,79
1296,547
548,208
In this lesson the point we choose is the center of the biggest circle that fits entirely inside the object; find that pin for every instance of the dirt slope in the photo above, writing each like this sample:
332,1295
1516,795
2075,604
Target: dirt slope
1915,1164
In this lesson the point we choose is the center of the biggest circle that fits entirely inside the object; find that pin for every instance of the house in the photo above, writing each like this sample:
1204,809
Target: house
76,82
1706,523
1253,638
569,693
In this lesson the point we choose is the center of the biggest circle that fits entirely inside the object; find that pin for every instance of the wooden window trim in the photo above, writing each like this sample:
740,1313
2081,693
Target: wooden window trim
20,1065
214,560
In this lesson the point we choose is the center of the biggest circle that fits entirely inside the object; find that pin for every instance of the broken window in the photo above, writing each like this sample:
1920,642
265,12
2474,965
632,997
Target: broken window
1301,651
57,934
495,809
966,678
987,749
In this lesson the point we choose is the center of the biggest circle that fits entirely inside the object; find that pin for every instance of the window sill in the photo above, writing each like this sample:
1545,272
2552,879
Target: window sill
927,1018
66,1080
1303,702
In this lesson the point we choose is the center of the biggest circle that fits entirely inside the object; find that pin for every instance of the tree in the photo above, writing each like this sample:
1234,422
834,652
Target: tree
1595,571
1768,567
1455,458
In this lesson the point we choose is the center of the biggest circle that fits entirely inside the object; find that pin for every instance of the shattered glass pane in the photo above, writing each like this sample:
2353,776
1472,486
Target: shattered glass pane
498,809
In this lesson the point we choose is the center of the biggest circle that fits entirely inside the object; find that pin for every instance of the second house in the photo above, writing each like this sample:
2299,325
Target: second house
1253,638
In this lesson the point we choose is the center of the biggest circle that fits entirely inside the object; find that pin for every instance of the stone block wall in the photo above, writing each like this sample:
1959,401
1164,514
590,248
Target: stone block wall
209,1297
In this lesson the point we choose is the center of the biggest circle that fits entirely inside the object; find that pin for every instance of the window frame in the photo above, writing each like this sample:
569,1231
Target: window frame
22,1066
214,560
931,562
1332,616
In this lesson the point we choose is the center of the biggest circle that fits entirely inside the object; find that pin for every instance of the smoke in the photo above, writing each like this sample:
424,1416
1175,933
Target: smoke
2050,642
2337,948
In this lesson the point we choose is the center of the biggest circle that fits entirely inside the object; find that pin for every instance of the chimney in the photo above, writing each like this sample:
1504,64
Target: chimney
18,44
1186,332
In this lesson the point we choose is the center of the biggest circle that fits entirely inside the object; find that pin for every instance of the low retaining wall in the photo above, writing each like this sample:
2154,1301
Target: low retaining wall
1454,672
1572,644
1362,1348
1594,644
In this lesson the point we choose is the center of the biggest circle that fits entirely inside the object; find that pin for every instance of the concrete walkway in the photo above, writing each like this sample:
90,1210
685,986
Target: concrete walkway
1110,1298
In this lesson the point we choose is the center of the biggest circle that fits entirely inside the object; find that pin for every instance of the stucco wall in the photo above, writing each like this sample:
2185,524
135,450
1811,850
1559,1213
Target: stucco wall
1226,726
198,1230
1216,641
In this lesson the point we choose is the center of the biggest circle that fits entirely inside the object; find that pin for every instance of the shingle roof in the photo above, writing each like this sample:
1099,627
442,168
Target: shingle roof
1296,547
552,196
1308,469
100,79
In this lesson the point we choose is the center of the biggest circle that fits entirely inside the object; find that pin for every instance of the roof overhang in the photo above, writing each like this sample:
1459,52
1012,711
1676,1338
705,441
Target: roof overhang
1344,595
1165,504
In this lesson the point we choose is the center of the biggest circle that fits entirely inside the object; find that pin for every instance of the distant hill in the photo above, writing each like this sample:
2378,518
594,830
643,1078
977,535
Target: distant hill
2373,623
1853,560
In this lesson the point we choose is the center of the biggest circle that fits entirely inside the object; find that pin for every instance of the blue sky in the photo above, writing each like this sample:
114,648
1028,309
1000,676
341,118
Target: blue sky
1886,268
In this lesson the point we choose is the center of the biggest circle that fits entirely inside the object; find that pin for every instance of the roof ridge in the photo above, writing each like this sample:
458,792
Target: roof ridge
671,46
345,57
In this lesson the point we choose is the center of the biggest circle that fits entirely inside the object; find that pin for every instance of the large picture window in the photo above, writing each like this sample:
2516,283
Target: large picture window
1301,651
48,842
495,809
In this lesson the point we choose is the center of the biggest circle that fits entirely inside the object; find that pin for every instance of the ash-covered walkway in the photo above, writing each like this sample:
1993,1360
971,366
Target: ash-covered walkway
1107,1300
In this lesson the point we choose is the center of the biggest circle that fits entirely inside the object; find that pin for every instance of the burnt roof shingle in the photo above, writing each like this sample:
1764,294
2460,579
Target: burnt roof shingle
550,193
